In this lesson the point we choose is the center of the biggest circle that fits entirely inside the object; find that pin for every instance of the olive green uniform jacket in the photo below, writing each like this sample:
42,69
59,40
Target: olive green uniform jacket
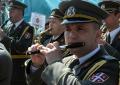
5,66
59,73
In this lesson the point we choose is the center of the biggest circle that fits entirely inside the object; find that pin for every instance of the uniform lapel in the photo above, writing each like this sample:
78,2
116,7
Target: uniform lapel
90,62
11,32
116,39
108,38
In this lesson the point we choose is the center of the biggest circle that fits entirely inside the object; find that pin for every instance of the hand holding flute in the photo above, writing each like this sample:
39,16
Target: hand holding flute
74,45
37,59
52,52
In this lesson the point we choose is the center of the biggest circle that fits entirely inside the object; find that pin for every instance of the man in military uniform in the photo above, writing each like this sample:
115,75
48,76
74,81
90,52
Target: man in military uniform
56,31
21,32
21,35
55,27
112,36
89,64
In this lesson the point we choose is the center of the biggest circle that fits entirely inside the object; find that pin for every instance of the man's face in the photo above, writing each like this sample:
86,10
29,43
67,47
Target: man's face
112,20
84,32
14,14
55,25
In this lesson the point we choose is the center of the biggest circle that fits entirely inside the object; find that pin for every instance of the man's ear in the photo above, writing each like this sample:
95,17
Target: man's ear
118,15
98,35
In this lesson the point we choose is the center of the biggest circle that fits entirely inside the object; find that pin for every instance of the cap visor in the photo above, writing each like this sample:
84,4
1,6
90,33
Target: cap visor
73,21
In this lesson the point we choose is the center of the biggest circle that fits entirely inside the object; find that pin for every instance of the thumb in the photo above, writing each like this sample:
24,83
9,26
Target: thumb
56,44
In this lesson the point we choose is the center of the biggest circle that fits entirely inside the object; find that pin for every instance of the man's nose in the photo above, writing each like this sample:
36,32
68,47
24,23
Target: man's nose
73,35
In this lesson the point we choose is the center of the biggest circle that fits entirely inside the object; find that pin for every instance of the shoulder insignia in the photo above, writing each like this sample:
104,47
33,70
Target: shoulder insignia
99,77
68,60
27,35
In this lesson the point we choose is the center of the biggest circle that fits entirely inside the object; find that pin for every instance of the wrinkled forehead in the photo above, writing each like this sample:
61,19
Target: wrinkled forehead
85,26
76,25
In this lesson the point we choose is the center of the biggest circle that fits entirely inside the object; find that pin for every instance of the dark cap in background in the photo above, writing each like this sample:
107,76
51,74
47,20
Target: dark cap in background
56,13
17,4
110,6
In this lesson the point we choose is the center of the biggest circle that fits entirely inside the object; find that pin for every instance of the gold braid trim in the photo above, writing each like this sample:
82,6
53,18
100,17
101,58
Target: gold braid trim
94,68
81,16
24,32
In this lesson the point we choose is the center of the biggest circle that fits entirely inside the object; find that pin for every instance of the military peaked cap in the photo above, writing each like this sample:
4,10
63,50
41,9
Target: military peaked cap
17,4
56,13
78,11
110,6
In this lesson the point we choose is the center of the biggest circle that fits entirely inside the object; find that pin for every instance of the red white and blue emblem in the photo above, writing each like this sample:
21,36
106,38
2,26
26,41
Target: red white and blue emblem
99,77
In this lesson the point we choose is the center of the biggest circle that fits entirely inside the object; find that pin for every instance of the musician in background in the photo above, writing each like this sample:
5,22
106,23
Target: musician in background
112,35
55,28
33,71
45,35
21,32
21,35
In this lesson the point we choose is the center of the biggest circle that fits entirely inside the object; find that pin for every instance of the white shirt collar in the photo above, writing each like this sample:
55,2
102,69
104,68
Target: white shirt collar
89,55
114,33
55,37
18,23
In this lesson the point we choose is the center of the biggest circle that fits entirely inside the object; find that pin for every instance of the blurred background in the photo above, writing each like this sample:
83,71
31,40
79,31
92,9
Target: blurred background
43,7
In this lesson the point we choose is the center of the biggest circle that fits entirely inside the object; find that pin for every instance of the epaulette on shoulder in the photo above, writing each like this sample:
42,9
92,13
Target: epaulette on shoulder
68,60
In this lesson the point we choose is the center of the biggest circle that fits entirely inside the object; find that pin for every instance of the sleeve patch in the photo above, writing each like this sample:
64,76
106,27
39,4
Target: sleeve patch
99,77
27,35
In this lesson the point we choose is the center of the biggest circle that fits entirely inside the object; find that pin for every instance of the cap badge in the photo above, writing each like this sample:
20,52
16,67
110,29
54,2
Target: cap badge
53,13
103,6
71,11
11,4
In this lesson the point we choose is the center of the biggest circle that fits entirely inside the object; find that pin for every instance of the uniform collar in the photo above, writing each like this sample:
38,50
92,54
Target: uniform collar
55,37
114,33
18,23
89,55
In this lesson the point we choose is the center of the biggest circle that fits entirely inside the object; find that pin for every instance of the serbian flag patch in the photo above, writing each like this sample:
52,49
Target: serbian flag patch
99,77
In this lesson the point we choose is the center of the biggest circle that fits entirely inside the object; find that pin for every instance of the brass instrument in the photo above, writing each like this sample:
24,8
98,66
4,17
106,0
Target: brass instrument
103,27
3,10
2,26
41,36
